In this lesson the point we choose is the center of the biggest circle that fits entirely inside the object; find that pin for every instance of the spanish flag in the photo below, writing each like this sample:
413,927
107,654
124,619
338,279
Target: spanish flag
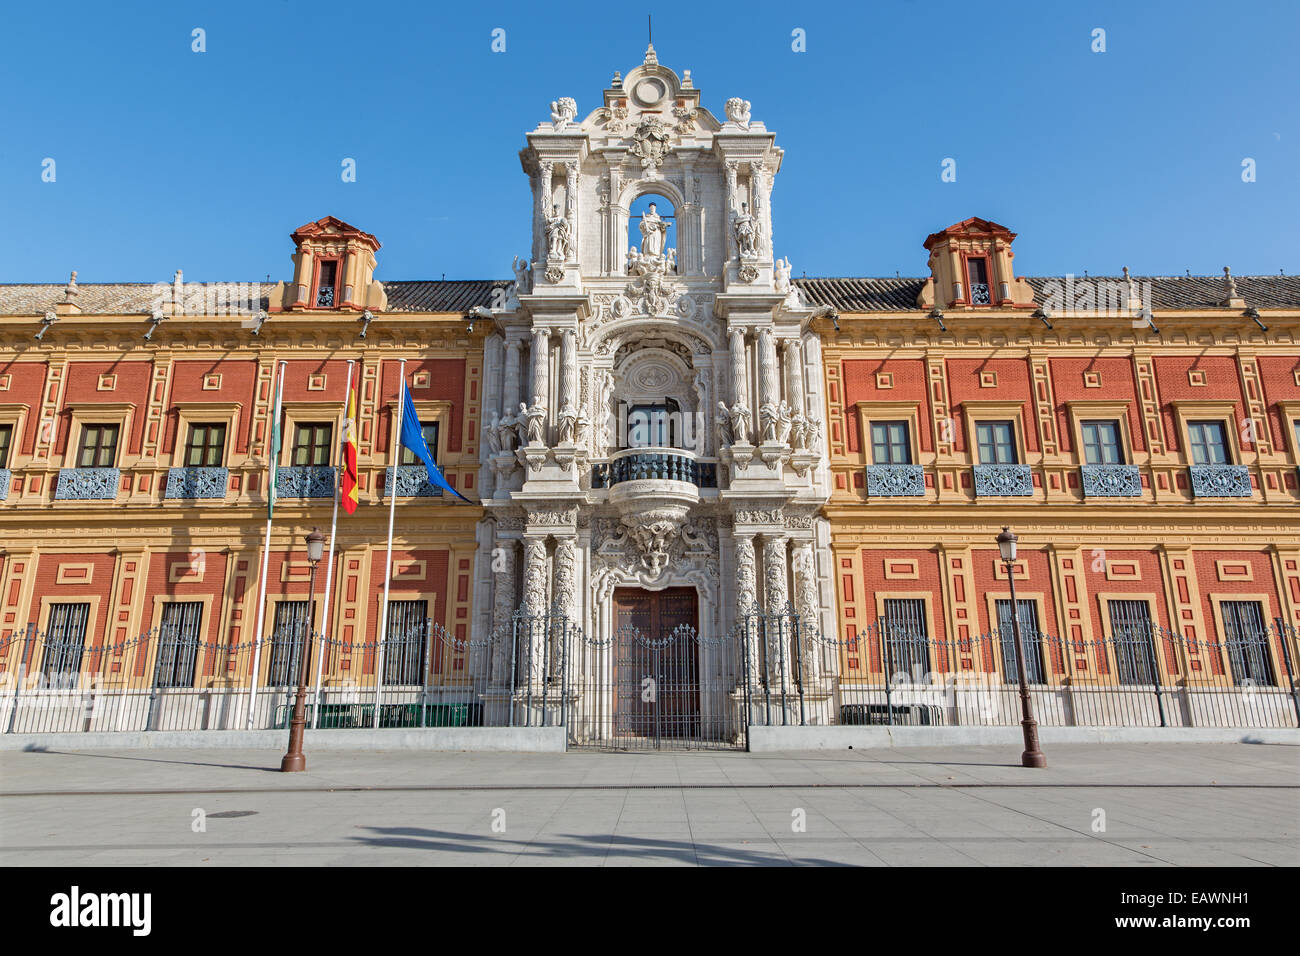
349,494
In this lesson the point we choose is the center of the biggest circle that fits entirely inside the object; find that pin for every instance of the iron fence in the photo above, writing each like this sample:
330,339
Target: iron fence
1138,674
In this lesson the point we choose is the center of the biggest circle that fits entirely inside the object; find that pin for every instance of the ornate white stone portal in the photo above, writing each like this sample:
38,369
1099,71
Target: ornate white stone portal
652,415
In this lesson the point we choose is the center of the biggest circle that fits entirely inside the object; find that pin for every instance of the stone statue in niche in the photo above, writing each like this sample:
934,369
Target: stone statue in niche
505,429
568,424
746,232
522,272
521,424
535,427
740,422
670,260
493,436
775,421
654,233
557,235
726,436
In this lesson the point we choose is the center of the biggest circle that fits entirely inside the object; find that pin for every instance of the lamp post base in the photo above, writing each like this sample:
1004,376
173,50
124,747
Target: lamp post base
1035,759
1032,757
293,763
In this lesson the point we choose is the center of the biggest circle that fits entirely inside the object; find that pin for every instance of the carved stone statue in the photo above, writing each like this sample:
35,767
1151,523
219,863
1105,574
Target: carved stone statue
568,424
521,424
536,425
670,256
563,111
738,112
523,273
782,268
492,437
746,232
740,422
506,432
723,426
557,236
783,422
633,261
654,232
769,421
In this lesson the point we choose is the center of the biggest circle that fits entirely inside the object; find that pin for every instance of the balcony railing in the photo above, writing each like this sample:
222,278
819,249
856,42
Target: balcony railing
1003,481
659,464
195,483
979,293
1111,481
412,482
305,481
5,476
895,481
1220,481
88,484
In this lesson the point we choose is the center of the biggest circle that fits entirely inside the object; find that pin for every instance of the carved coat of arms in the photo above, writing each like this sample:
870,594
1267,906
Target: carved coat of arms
651,143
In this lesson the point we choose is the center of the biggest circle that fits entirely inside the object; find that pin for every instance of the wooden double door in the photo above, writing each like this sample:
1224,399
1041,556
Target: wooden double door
656,668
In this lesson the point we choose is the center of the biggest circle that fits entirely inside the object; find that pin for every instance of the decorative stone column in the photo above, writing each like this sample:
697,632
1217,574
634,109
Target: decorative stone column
504,603
732,205
746,599
545,181
806,603
571,206
568,369
535,605
776,596
794,377
566,598
769,382
739,376
512,390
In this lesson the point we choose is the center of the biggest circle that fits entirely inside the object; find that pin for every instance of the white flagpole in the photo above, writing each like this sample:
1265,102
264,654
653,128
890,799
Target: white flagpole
329,568
395,456
266,548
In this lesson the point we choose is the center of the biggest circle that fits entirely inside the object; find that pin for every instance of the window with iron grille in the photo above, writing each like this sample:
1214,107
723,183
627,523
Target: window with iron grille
65,640
997,443
178,643
1030,636
977,270
98,447
1101,443
1245,637
6,435
430,435
327,281
906,637
1130,629
404,647
286,643
311,443
206,445
889,444
1209,443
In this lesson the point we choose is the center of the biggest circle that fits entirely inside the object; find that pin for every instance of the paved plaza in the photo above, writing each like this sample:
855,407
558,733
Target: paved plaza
1113,804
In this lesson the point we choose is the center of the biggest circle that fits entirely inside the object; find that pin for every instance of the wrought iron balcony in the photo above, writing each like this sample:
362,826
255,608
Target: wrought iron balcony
305,481
661,464
979,293
194,483
88,484
5,476
1003,481
895,481
1111,481
412,482
1220,481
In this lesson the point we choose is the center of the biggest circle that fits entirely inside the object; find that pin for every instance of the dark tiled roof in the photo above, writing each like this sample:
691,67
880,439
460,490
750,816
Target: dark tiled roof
447,295
863,295
1167,292
126,298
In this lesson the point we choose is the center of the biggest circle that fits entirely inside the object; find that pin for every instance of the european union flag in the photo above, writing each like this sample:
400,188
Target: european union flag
412,437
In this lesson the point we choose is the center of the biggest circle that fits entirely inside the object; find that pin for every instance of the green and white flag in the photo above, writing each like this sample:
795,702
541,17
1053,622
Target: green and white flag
274,453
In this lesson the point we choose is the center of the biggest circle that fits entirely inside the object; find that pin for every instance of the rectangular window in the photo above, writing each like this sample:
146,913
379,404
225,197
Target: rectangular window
326,282
1101,443
65,640
997,443
98,446
404,649
286,643
1030,636
907,646
1245,638
1209,443
889,444
206,445
977,270
430,433
312,443
1130,629
6,436
178,643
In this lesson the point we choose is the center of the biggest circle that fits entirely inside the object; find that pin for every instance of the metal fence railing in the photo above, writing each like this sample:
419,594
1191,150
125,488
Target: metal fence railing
1142,675
675,689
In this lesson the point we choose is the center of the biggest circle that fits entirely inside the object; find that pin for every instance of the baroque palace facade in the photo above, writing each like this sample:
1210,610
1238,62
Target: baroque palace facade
661,428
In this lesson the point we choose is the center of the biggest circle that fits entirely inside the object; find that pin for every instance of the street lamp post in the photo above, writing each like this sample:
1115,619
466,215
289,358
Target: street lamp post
293,759
1032,757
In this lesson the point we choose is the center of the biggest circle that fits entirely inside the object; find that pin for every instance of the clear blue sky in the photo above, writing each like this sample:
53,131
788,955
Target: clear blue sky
168,158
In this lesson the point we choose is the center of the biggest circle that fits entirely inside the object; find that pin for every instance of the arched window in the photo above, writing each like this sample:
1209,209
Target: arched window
651,226
656,425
